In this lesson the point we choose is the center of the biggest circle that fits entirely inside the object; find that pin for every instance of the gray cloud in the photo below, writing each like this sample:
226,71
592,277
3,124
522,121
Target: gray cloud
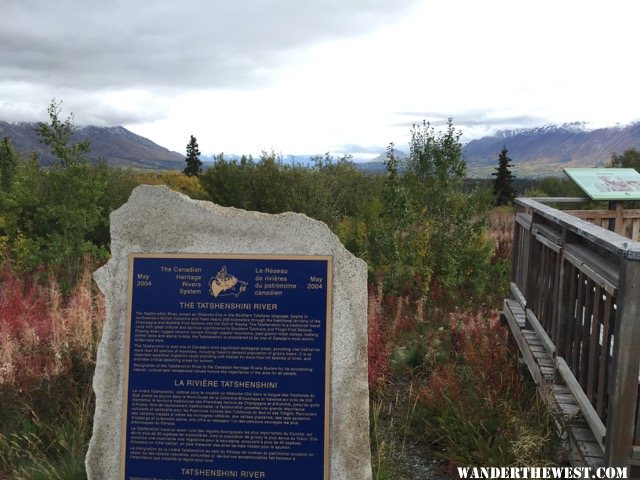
21,102
472,118
357,148
473,123
97,44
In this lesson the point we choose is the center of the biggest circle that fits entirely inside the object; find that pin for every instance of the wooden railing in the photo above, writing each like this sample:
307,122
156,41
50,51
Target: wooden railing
579,286
626,222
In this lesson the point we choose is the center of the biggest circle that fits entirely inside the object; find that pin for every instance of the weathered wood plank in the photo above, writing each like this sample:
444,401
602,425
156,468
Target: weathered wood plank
548,373
603,374
590,415
549,273
577,328
546,242
565,398
534,282
514,306
582,434
601,271
532,339
517,294
561,389
591,450
570,314
546,362
542,334
556,294
524,220
586,334
538,350
516,256
627,213
619,219
592,379
562,290
534,370
551,231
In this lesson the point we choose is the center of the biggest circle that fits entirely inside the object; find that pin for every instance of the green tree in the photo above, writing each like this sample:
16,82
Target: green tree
57,135
436,162
194,164
394,236
451,251
503,184
629,159
9,159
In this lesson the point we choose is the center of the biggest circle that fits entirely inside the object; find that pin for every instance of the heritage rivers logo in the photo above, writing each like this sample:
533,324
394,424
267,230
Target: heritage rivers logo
225,284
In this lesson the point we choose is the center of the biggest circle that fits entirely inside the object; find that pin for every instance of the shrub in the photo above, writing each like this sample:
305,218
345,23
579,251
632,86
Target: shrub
47,352
475,407
378,344
189,185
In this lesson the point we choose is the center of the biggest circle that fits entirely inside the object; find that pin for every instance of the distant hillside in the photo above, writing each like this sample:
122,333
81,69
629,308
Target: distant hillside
114,145
376,165
549,149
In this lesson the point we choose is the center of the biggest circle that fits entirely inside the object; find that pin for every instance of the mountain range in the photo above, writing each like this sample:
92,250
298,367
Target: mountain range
549,149
113,145
535,152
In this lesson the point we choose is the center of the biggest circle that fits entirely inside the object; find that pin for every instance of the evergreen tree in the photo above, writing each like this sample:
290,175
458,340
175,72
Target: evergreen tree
194,164
503,184
8,163
629,159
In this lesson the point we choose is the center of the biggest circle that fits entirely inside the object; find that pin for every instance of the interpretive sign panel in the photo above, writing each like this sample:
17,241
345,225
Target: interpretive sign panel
607,183
227,367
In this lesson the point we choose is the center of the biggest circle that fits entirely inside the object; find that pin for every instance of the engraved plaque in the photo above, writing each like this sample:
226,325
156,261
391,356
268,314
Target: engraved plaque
227,367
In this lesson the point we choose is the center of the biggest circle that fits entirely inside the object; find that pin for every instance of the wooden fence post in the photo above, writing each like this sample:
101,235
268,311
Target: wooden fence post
625,367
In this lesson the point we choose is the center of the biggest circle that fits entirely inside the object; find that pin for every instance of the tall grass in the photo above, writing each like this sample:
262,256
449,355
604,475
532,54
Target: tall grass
474,407
47,352
501,225
451,386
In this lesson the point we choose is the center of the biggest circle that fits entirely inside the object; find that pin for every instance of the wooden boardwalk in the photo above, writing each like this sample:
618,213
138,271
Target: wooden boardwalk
579,440
574,312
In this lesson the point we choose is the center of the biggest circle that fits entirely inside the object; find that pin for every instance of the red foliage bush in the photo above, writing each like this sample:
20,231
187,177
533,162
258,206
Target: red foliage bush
22,306
40,335
479,360
378,348
442,386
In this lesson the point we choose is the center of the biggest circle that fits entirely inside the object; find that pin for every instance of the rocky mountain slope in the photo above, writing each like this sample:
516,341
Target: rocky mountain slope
114,145
555,147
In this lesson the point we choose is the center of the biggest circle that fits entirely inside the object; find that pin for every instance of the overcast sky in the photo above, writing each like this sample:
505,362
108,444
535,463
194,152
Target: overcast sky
311,76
